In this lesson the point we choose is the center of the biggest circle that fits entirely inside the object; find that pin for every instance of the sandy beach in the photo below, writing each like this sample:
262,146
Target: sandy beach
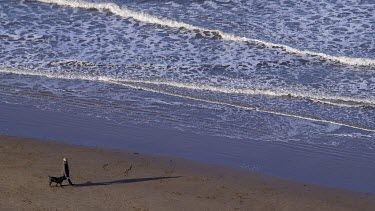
153,183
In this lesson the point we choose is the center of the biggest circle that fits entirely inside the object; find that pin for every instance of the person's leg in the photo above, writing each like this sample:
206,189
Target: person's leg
70,182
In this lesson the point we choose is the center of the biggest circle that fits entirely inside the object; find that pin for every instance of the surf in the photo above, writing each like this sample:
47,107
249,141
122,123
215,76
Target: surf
292,93
150,19
134,84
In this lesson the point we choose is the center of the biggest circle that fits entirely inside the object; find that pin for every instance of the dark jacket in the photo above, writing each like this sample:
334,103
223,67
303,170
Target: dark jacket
65,169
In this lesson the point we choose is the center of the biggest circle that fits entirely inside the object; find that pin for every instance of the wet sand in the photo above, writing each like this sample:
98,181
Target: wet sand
330,166
153,183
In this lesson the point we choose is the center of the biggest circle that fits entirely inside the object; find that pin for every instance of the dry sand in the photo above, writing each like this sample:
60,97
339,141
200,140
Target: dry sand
154,183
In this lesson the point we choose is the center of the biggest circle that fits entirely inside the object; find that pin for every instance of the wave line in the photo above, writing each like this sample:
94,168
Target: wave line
151,19
128,84
322,98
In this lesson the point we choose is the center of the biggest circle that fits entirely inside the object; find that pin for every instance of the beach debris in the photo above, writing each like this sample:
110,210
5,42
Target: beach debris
105,166
128,170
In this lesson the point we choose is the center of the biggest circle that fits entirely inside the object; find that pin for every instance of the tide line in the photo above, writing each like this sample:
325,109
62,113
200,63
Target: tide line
130,84
245,107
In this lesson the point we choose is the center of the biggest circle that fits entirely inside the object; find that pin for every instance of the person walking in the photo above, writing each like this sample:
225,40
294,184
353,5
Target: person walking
65,170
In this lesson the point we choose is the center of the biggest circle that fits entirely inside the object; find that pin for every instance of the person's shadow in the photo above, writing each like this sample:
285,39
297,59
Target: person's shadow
87,184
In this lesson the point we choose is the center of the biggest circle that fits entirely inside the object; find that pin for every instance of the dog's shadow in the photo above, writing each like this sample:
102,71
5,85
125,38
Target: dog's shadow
124,181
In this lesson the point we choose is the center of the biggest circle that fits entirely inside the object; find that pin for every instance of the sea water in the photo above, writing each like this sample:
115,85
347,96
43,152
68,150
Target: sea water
246,70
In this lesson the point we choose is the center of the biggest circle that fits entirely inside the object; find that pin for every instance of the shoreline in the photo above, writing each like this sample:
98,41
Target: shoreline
154,183
327,166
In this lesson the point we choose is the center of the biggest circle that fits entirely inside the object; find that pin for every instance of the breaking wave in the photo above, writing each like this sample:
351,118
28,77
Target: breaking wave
150,19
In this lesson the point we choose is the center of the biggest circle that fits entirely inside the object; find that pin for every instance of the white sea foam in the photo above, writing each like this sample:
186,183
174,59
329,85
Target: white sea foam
232,86
322,98
150,19
138,85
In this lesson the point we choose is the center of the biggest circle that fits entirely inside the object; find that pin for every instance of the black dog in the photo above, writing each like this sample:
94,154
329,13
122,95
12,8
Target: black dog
57,180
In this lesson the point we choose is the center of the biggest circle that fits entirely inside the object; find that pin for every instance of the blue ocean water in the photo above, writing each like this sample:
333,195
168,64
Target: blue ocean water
248,70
